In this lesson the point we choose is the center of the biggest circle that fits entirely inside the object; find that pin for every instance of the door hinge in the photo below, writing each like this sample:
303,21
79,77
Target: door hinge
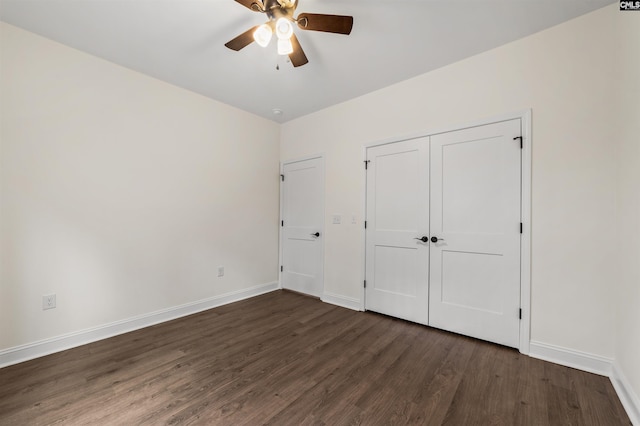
282,178
282,223
521,142
521,227
520,313
281,268
366,164
365,283
365,224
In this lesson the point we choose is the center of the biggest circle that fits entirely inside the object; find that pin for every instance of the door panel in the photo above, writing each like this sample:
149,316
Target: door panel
475,212
396,210
468,171
395,268
462,268
303,211
397,213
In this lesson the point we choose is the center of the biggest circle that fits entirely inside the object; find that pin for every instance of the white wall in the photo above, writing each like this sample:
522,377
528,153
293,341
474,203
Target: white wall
627,304
565,75
123,194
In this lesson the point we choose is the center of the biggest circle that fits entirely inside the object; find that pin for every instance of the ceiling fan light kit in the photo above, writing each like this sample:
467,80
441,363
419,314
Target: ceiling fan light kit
263,35
284,46
281,18
284,29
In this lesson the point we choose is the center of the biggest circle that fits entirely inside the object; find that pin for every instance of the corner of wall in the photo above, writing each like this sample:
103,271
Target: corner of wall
629,399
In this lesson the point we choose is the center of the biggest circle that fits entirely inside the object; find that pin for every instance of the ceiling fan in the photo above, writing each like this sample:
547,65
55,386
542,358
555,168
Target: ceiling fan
280,14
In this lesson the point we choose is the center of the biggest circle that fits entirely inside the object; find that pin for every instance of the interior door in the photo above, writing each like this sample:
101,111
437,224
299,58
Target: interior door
302,226
475,217
397,260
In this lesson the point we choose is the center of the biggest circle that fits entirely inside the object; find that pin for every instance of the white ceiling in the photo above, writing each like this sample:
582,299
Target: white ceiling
182,42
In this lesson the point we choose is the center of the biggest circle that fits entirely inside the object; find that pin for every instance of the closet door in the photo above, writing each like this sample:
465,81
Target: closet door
397,259
474,284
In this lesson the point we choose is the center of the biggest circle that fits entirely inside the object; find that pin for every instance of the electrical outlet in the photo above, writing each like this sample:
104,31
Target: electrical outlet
221,271
48,302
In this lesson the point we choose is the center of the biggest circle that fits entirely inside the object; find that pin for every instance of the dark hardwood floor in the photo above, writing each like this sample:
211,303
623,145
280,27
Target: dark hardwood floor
283,358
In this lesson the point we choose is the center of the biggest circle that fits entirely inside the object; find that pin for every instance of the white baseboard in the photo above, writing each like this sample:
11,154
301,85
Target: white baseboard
571,358
60,343
339,300
628,397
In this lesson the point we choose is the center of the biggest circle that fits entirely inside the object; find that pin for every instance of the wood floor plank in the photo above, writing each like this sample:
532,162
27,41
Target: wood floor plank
596,400
531,393
286,359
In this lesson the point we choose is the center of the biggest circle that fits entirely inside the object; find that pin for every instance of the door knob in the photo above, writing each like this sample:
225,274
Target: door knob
424,239
436,239
317,234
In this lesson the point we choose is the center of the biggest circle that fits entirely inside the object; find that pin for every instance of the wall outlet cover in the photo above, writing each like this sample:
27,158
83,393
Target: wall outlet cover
48,302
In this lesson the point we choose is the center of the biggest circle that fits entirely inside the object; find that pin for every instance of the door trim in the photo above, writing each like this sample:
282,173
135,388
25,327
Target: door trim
280,216
525,207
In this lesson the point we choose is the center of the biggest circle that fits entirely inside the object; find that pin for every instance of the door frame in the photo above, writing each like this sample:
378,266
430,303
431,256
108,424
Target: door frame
281,218
525,207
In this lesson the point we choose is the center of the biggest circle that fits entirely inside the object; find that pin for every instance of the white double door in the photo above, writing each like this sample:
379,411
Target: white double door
443,231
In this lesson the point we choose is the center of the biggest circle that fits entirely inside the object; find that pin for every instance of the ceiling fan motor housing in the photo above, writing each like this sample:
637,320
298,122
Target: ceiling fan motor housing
279,9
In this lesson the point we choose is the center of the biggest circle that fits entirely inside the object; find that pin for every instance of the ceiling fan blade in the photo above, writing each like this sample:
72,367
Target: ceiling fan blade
255,5
243,40
298,58
338,24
